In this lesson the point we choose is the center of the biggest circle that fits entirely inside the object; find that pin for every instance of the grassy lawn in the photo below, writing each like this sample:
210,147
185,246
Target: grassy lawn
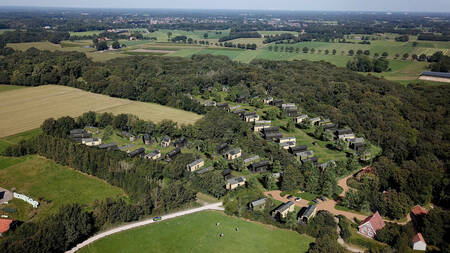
4,87
198,233
15,139
51,184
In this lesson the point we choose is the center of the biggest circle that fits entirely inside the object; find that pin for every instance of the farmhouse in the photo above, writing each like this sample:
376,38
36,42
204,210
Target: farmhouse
165,141
313,160
181,142
418,243
287,139
356,143
263,122
287,145
108,146
308,213
299,119
305,154
268,100
5,224
78,134
435,76
204,170
131,137
222,147
262,166
137,152
272,135
343,131
235,182
258,128
147,139
233,154
314,121
283,210
195,165
346,137
258,204
277,102
171,155
251,159
371,225
298,149
251,117
91,141
156,154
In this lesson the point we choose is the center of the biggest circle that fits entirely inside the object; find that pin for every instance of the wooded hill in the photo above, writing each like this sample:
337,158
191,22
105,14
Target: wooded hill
411,123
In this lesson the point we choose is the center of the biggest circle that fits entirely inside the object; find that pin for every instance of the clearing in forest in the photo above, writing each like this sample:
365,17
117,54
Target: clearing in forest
25,109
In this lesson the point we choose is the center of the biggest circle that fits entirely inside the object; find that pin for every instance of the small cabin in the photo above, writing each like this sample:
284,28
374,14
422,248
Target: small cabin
165,142
195,165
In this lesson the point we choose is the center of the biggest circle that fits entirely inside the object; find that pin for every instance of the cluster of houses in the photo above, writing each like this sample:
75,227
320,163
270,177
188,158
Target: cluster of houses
282,211
80,135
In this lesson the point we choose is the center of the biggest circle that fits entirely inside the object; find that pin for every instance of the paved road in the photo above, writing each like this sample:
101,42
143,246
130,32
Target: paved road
215,206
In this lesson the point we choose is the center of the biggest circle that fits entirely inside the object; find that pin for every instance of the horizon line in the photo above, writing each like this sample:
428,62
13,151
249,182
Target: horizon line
220,9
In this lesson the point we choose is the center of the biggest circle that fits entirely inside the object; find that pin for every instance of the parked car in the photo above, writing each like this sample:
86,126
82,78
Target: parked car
290,197
157,218
298,199
322,198
315,201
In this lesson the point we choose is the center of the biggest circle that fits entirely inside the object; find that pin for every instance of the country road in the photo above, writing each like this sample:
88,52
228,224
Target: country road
214,206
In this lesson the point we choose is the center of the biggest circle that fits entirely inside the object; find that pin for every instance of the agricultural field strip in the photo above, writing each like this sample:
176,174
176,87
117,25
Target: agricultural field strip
26,109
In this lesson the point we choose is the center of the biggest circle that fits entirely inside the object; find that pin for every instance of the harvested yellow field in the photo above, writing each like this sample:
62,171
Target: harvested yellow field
25,109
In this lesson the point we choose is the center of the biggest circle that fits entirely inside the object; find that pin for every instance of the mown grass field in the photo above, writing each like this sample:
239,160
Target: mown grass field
10,87
51,184
198,233
15,139
25,109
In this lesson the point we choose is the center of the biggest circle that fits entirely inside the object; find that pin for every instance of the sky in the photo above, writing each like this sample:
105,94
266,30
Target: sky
327,5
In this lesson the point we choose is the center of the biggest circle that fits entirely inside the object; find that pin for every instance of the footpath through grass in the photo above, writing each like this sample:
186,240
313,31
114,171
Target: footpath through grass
198,233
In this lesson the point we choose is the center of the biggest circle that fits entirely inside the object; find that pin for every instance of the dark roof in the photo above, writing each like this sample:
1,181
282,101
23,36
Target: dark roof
285,206
313,159
271,129
222,146
436,74
308,211
250,113
77,131
259,164
180,140
173,152
344,131
154,152
204,170
226,172
108,145
236,180
234,151
166,139
136,152
298,149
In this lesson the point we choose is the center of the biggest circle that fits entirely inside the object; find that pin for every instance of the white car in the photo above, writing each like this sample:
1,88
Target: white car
298,199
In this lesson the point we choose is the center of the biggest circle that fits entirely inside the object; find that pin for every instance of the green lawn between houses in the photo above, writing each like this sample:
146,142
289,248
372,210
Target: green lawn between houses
198,233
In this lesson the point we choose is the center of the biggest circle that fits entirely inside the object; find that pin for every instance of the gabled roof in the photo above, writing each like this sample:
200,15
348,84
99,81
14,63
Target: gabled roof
195,162
418,238
236,180
259,202
4,225
285,206
419,210
166,138
309,210
204,170
375,221
436,74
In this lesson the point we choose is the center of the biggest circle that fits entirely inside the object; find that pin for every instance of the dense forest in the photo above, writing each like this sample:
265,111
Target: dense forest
410,123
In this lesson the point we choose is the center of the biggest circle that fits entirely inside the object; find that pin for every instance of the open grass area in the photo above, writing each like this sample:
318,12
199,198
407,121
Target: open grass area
10,87
198,233
51,184
87,33
15,139
25,109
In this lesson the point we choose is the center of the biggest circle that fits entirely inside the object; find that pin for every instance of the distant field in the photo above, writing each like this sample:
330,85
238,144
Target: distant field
15,139
198,233
51,184
26,109
87,33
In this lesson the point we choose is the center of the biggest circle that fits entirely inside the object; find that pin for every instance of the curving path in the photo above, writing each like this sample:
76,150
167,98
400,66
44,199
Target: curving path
214,206
330,204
